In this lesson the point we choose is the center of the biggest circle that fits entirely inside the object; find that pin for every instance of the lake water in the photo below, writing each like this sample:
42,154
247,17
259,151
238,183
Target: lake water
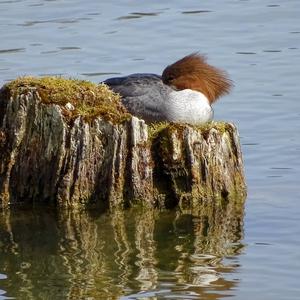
251,253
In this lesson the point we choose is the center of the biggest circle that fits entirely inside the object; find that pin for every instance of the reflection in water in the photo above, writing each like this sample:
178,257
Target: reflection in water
123,248
77,255
145,244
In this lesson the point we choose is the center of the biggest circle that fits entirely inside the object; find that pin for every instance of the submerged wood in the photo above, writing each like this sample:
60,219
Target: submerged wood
46,157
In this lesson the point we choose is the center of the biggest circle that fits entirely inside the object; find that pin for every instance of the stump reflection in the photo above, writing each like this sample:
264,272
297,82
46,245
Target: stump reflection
80,255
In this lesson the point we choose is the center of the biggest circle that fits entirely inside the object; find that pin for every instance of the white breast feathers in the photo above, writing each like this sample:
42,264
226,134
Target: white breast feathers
188,106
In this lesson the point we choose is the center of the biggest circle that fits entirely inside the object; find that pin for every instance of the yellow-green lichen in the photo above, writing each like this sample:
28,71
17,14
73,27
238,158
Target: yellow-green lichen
89,100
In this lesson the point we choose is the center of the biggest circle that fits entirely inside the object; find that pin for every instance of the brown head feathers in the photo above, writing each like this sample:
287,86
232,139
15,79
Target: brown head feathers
193,72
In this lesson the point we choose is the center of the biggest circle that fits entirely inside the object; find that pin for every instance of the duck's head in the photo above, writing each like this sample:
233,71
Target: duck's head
193,72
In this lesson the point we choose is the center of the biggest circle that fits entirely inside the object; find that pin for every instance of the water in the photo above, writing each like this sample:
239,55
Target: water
166,256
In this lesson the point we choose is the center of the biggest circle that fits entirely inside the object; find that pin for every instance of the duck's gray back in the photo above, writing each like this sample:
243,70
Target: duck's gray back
142,94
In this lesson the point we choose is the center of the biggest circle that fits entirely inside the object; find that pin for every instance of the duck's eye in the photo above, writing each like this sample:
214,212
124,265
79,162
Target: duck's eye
170,78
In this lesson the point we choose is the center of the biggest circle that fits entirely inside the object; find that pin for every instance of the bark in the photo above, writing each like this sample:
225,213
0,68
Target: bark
46,157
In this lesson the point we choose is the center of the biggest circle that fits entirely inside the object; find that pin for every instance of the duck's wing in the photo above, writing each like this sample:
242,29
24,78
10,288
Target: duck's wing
142,94
133,85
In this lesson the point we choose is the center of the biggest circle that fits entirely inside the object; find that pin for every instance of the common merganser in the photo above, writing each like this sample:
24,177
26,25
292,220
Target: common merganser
184,93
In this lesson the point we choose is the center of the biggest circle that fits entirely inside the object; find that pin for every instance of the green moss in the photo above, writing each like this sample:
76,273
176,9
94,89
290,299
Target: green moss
220,126
155,129
89,99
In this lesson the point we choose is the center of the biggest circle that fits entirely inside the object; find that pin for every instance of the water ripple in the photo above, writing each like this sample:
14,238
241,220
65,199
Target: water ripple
191,12
100,73
13,50
11,1
138,15
272,51
69,48
246,52
57,21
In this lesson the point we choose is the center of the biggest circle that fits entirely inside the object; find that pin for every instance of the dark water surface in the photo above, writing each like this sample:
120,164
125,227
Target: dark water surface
251,254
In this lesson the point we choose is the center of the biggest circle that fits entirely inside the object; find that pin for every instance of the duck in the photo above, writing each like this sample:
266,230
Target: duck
183,93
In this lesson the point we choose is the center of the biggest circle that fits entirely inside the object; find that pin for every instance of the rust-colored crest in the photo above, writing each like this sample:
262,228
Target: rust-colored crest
193,72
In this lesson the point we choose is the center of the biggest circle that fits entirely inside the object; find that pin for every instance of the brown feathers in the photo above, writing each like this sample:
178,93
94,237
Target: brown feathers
193,72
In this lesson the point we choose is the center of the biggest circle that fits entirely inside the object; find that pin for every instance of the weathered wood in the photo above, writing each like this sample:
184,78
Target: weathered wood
48,157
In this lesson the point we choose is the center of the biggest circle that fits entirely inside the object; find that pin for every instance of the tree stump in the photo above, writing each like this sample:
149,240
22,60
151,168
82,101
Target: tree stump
72,144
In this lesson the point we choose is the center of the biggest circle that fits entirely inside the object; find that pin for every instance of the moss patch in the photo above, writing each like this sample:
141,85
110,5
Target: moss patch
220,126
88,99
156,128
